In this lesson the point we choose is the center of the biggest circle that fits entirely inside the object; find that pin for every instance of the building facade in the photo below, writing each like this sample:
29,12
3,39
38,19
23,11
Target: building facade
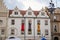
24,24
55,24
28,24
3,20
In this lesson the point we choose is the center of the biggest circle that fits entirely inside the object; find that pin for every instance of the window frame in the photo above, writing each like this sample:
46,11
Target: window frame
12,22
12,31
55,28
2,31
42,13
29,13
46,22
1,22
16,13
46,32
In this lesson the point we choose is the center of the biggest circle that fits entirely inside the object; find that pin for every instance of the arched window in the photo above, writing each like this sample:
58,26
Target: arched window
22,27
56,38
29,27
38,27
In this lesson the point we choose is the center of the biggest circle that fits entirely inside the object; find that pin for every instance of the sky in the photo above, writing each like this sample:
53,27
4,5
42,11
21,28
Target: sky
25,4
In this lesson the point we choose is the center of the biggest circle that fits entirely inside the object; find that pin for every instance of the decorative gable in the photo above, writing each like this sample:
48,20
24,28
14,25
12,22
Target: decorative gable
15,13
42,13
3,7
29,13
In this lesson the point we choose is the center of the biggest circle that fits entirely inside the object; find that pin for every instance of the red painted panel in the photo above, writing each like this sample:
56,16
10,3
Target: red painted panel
22,28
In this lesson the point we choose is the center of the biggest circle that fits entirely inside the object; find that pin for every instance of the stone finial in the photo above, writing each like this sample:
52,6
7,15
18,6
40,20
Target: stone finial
29,8
16,8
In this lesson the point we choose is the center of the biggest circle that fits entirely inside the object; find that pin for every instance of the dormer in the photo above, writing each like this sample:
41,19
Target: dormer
29,13
42,13
15,13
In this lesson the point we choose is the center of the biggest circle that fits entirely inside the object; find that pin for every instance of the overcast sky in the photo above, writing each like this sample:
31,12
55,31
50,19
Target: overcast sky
34,4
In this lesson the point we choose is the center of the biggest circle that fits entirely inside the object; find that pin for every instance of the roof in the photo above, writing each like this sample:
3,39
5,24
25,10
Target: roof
23,12
10,12
36,12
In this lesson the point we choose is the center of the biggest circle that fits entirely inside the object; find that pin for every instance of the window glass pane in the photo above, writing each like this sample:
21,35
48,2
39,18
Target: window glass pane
1,22
2,31
29,13
46,22
12,22
55,28
46,32
16,13
12,31
29,39
42,13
